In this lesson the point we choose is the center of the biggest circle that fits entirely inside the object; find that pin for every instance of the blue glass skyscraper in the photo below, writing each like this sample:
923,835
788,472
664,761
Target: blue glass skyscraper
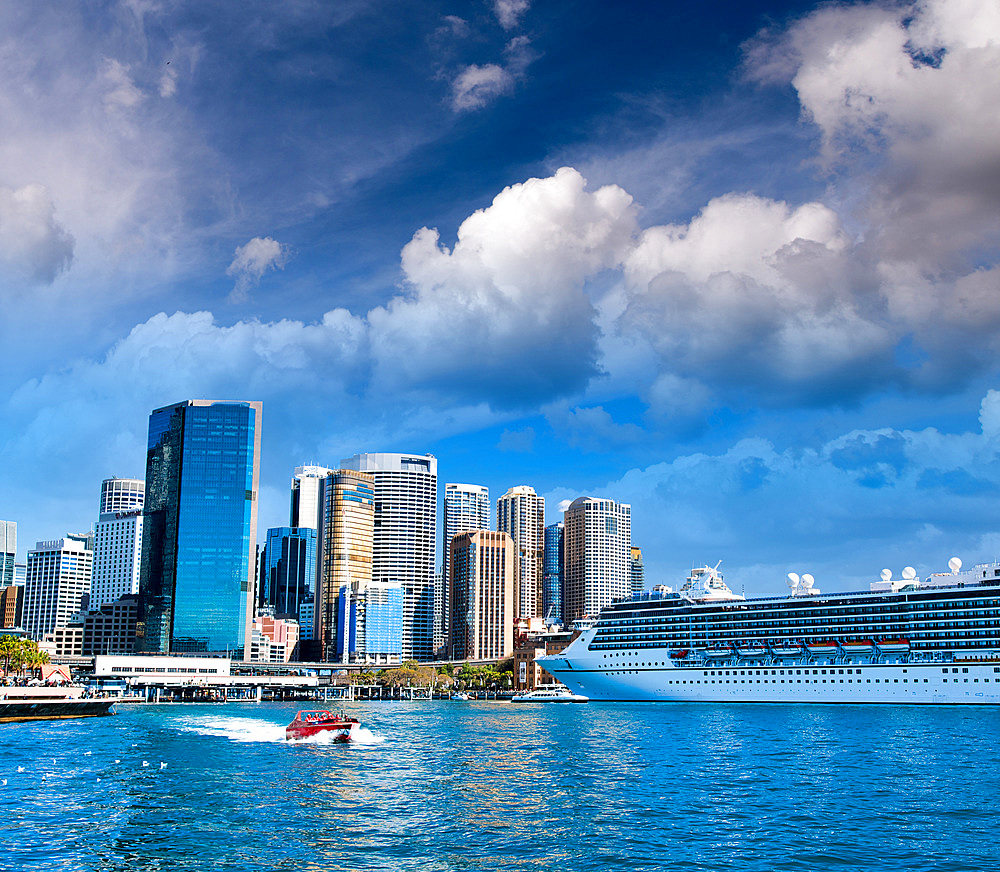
199,527
289,569
552,573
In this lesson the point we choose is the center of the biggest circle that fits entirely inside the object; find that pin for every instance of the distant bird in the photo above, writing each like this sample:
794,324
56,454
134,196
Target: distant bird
87,753
98,779
118,761
20,769
163,765
145,762
5,782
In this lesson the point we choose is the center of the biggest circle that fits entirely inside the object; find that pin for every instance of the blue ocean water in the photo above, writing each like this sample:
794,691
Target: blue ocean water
484,786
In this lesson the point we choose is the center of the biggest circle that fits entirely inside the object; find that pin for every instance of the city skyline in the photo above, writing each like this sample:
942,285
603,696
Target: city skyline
692,260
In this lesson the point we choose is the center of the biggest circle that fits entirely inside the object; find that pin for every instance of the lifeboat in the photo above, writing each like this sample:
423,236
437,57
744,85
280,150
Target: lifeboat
751,649
825,648
894,646
716,652
786,649
858,646
311,723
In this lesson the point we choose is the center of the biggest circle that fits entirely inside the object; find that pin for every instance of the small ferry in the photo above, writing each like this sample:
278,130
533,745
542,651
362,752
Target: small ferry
312,723
555,693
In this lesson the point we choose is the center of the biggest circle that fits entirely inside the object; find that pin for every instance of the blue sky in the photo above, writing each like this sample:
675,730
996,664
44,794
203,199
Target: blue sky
734,264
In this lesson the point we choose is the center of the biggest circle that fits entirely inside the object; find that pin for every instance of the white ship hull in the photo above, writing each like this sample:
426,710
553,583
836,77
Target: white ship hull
930,683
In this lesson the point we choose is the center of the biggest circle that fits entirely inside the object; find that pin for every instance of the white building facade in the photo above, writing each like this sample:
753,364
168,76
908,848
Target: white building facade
117,541
8,551
405,532
597,555
521,514
57,583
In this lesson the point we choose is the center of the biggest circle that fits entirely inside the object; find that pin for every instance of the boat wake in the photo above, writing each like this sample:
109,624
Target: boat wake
234,729
252,730
361,736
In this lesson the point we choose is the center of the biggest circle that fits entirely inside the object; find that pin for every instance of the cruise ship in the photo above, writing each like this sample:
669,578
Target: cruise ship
907,640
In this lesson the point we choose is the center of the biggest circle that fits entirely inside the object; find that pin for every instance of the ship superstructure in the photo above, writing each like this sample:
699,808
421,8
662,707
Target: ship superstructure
936,641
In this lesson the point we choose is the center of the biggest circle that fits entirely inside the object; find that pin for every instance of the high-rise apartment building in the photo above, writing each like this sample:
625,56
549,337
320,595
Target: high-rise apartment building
482,596
308,500
552,574
199,527
637,574
57,586
466,507
8,551
348,545
117,541
405,531
597,555
521,513
289,571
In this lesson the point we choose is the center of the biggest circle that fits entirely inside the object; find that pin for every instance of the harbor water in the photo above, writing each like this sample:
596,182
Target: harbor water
491,785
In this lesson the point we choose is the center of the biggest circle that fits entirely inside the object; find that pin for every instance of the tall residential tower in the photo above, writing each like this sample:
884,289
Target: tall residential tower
405,530
521,514
466,507
117,541
597,555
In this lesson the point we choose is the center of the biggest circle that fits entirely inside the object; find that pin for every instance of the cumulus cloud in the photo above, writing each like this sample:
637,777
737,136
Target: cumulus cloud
33,244
508,300
251,261
509,12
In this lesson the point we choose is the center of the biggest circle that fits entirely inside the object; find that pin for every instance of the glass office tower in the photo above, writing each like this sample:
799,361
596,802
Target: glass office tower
289,569
199,527
552,575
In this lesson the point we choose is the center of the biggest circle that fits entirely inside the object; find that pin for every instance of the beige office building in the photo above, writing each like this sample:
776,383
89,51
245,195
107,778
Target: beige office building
481,596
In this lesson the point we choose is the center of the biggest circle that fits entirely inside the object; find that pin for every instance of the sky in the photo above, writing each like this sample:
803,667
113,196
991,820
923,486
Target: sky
735,264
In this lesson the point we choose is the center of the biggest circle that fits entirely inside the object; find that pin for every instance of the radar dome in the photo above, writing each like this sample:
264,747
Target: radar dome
807,579
909,573
886,574
955,564
793,579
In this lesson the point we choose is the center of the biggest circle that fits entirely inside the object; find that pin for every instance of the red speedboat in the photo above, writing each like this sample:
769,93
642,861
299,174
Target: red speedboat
311,723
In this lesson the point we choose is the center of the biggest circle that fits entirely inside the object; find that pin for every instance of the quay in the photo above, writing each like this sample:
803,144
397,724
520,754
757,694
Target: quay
155,678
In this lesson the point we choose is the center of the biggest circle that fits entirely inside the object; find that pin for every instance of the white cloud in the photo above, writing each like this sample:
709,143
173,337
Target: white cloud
509,12
33,245
476,86
252,260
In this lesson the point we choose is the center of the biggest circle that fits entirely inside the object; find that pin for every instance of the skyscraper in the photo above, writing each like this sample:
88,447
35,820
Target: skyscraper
58,583
8,551
405,531
348,543
597,553
369,623
117,541
482,589
552,573
521,513
289,572
466,507
199,527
